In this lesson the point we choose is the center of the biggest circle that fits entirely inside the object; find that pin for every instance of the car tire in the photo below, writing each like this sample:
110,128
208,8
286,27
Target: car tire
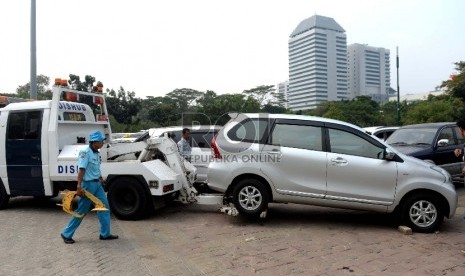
127,198
423,213
250,197
4,197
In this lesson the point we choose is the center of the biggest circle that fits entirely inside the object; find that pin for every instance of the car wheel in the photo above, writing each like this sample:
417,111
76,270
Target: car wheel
423,213
4,197
127,198
250,197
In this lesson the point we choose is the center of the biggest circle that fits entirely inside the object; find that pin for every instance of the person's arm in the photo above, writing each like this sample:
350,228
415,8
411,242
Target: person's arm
82,164
181,147
80,177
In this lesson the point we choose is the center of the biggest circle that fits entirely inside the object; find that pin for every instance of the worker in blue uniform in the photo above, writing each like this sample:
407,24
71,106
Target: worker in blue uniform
90,179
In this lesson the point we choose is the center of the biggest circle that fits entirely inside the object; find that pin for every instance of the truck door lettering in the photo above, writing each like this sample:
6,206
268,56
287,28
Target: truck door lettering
72,169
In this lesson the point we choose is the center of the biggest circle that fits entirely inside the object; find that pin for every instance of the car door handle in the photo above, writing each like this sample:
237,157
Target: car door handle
274,152
339,161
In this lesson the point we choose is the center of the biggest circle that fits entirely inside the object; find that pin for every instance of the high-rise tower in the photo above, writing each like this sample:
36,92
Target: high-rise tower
317,63
369,72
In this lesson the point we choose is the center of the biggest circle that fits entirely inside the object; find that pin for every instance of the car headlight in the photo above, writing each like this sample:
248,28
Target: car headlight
443,172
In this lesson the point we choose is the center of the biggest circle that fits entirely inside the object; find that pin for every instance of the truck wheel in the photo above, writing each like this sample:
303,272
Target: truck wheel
423,213
4,197
127,198
250,197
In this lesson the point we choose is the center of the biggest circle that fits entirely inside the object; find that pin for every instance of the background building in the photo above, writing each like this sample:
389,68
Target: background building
368,72
317,63
282,89
419,96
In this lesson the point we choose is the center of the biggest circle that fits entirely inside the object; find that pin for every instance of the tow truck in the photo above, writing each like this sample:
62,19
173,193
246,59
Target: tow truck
40,142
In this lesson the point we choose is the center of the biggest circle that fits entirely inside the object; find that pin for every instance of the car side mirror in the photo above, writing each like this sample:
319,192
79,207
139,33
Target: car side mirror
443,142
389,154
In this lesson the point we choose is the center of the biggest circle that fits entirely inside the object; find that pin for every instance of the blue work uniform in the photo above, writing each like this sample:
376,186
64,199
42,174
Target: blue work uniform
90,161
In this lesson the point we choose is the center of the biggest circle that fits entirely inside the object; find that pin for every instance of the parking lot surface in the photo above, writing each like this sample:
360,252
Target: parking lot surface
198,240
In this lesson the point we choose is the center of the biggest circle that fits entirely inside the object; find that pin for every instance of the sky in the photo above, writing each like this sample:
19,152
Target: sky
154,47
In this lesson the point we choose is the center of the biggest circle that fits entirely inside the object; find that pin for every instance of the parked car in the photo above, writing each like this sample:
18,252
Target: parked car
201,137
433,142
262,158
382,132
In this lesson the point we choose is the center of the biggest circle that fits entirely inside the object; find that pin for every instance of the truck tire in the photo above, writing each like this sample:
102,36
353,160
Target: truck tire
250,197
127,198
423,213
4,197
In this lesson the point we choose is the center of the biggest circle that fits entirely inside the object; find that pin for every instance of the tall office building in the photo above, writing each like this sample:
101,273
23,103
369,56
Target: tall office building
282,89
317,63
369,72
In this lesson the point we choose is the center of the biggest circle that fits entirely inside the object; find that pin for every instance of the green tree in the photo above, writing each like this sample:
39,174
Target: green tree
217,110
43,90
361,111
274,109
435,109
123,105
87,85
185,98
265,94
388,112
456,84
158,111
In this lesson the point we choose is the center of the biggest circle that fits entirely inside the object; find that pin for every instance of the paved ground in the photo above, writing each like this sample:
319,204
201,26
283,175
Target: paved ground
195,240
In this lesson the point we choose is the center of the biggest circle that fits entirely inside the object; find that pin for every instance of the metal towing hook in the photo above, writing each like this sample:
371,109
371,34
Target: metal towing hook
67,203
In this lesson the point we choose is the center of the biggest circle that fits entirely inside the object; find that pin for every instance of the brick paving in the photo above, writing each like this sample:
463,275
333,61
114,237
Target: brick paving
197,240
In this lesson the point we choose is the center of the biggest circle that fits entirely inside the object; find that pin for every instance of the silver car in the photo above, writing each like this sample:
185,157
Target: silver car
262,158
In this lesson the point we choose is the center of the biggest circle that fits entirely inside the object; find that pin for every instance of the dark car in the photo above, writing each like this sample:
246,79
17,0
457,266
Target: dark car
433,142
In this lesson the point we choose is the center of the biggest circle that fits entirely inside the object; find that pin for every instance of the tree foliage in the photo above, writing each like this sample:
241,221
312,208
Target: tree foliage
434,109
43,90
361,111
184,105
456,84
123,105
185,98
265,95
158,111
217,109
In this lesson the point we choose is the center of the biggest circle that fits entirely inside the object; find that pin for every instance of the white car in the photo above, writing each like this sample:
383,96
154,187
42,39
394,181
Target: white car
201,137
382,132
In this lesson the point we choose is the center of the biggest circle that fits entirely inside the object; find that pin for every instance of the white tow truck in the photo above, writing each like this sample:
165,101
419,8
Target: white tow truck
40,142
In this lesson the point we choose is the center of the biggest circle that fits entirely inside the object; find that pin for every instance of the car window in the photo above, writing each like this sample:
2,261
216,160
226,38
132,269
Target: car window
249,130
458,134
412,136
384,134
447,133
24,125
202,139
175,135
297,136
348,143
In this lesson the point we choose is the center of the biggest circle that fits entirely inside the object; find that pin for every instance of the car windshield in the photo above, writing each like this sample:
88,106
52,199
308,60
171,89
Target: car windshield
412,136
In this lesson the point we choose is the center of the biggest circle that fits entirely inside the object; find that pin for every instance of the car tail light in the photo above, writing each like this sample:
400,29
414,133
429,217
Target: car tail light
167,188
215,151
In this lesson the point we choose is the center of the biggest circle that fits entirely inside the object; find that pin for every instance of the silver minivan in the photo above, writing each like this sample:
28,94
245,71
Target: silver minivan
262,158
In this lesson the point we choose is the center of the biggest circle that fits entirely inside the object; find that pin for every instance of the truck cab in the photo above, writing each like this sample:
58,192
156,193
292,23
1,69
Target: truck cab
40,142
36,138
